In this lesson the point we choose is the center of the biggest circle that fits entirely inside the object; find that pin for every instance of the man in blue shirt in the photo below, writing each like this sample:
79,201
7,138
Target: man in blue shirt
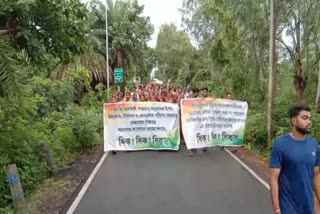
294,166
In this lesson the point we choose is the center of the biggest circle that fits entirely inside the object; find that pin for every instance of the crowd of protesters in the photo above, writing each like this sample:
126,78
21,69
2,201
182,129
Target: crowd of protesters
162,92
165,92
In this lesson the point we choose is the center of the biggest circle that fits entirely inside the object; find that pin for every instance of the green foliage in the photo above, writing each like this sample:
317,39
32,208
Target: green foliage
128,34
174,51
256,126
19,140
63,40
55,95
12,69
73,131
61,33
233,44
48,113
233,51
316,126
255,133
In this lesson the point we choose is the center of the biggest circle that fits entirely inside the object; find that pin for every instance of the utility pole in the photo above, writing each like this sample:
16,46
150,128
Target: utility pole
272,69
107,52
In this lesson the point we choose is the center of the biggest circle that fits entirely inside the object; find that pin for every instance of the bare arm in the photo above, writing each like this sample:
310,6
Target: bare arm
317,182
274,188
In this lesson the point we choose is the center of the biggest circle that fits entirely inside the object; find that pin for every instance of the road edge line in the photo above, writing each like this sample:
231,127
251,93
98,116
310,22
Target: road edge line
263,182
85,187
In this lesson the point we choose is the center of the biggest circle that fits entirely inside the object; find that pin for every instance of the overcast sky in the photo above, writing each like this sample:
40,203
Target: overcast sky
162,12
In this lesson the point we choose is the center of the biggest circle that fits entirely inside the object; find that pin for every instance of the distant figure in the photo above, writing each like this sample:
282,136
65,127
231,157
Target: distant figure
196,94
204,92
114,100
228,96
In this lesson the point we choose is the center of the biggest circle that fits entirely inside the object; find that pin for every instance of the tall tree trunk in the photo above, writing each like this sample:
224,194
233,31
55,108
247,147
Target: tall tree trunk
11,25
117,62
300,82
117,59
272,68
318,91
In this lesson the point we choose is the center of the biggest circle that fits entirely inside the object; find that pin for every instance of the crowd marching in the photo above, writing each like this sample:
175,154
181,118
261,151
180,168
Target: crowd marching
163,92
294,181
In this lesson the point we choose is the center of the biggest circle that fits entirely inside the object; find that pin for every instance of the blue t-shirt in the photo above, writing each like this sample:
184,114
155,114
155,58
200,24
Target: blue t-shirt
297,159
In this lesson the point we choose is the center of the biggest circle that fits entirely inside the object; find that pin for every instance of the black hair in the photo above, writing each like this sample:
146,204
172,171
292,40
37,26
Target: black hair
196,90
296,109
204,88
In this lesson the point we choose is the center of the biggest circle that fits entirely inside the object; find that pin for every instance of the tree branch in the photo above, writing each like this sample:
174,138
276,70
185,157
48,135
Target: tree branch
290,51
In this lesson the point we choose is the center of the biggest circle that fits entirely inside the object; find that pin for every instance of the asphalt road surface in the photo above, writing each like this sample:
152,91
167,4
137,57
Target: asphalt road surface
153,182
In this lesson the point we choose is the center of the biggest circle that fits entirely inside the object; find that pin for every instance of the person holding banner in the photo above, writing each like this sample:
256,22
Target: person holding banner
142,97
127,98
195,93
135,97
294,166
114,98
163,96
174,98
228,96
204,92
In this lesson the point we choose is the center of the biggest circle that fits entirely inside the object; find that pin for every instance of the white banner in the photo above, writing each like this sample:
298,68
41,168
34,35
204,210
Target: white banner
141,126
213,122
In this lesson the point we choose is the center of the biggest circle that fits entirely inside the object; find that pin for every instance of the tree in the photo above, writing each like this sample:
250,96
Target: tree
12,70
272,69
299,23
145,66
239,33
61,33
173,50
128,34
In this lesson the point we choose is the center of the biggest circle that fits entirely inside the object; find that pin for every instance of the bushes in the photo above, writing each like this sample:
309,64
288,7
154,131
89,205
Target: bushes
256,131
73,131
47,114
19,140
256,137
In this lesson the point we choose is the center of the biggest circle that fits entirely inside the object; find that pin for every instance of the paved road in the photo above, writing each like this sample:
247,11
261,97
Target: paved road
174,183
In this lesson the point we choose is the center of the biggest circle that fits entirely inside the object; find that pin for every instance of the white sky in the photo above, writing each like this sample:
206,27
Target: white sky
161,12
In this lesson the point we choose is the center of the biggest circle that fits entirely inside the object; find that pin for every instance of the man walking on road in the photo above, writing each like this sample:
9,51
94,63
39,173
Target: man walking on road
294,166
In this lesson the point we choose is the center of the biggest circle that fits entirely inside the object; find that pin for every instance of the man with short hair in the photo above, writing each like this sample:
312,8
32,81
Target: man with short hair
204,92
135,97
196,93
294,166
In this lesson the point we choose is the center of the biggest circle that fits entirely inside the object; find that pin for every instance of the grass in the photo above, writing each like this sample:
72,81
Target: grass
49,192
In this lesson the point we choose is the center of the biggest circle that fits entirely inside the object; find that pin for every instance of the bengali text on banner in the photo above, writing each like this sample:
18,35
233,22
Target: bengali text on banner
141,126
213,122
